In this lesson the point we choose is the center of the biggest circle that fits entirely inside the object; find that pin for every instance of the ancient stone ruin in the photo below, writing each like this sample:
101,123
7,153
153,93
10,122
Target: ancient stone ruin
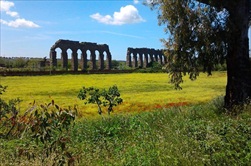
101,49
141,57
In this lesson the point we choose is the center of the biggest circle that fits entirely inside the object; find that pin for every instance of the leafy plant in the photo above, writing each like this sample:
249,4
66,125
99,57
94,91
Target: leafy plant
8,115
103,97
112,98
46,124
49,125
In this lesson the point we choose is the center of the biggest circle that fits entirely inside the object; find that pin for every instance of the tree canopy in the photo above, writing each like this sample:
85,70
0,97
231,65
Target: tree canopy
207,32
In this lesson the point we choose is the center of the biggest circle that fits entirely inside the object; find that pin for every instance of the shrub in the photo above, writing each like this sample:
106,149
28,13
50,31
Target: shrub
8,116
47,125
103,97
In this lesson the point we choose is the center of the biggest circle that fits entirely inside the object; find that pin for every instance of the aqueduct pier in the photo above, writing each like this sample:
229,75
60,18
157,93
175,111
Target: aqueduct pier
101,49
141,57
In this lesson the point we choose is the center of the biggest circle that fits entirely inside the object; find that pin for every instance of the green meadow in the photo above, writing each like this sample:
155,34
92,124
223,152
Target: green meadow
155,125
140,91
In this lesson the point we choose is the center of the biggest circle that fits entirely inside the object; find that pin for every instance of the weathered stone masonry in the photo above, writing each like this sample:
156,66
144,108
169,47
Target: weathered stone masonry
64,45
141,57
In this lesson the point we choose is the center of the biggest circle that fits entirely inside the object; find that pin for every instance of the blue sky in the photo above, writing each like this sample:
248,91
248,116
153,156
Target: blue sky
30,27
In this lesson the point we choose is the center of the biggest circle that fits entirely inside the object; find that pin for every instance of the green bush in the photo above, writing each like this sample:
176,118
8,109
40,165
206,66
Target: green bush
43,130
110,97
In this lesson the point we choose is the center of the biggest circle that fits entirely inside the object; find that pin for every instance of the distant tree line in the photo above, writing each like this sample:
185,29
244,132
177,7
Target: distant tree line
22,62
38,63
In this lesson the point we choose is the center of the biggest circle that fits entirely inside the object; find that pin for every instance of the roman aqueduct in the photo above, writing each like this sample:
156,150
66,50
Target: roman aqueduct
141,57
136,57
101,49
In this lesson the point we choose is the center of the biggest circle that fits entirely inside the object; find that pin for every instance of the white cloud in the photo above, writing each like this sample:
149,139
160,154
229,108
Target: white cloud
5,6
103,19
136,1
12,14
127,15
20,22
3,22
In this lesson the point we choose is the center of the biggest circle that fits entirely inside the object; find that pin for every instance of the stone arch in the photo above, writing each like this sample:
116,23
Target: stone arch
135,59
79,58
99,59
69,60
102,58
140,57
75,46
108,59
84,59
105,59
146,59
54,53
93,60
88,58
64,59
161,57
74,59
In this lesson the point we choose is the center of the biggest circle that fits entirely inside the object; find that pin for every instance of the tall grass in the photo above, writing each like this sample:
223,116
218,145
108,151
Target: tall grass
188,135
140,91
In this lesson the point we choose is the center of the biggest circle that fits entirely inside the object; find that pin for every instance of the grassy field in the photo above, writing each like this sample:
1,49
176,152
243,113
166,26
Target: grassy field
200,133
140,92
189,135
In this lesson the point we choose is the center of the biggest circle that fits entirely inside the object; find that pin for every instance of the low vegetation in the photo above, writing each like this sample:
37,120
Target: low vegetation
141,91
101,98
174,133
191,135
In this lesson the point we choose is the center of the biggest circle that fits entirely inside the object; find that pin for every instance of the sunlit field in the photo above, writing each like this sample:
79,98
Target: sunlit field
140,92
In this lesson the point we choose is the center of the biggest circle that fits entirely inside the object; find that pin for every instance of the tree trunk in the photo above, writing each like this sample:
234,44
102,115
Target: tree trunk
238,88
